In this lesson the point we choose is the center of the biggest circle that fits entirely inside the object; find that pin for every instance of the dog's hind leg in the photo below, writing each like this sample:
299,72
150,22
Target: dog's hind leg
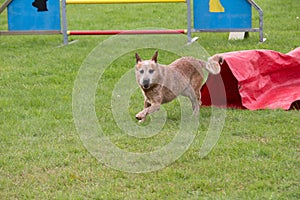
196,87
194,98
195,105
197,91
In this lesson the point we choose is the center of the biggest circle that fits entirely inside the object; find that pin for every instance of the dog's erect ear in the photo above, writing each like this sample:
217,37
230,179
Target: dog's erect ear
138,58
154,58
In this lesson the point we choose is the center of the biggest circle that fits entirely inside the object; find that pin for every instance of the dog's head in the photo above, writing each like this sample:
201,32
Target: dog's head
146,71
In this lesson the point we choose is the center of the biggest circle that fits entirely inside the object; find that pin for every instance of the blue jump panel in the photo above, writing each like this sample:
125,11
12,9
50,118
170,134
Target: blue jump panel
222,14
31,15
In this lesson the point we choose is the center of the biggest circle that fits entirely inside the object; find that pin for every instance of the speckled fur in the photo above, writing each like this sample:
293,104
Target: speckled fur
161,84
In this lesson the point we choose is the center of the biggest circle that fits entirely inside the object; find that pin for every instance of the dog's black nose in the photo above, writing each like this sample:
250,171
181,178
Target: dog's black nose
146,83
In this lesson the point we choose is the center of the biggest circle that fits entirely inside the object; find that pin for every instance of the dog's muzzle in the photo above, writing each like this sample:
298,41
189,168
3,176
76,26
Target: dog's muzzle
146,84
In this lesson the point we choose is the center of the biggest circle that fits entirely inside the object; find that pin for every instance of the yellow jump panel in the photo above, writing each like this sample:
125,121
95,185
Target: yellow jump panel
121,1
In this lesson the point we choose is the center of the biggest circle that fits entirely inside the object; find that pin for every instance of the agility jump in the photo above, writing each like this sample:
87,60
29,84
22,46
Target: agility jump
131,32
66,32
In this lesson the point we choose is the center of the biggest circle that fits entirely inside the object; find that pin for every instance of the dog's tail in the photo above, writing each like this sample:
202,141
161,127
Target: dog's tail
213,64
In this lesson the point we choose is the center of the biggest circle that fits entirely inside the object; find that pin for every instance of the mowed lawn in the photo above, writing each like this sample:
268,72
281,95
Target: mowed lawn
42,156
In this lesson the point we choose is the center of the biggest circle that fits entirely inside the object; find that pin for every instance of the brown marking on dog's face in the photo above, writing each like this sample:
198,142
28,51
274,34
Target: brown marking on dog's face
146,71
139,65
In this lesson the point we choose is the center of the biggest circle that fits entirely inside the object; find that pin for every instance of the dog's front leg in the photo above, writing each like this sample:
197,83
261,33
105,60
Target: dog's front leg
153,108
146,103
141,116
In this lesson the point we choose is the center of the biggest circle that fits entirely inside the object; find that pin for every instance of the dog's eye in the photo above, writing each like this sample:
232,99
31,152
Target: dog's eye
151,71
141,71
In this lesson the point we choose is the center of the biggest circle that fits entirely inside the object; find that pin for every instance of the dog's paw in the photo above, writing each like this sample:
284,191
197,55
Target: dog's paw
141,116
142,120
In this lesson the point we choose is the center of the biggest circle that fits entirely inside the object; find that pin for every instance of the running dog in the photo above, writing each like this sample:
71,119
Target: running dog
161,84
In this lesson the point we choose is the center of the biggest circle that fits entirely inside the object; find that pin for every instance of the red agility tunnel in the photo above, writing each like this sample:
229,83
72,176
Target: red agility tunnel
256,79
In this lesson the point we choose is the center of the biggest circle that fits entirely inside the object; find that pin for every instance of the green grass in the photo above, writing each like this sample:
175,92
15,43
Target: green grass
42,156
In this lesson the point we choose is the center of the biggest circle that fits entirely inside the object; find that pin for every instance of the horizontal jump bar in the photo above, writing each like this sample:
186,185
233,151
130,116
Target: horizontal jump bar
121,1
126,32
